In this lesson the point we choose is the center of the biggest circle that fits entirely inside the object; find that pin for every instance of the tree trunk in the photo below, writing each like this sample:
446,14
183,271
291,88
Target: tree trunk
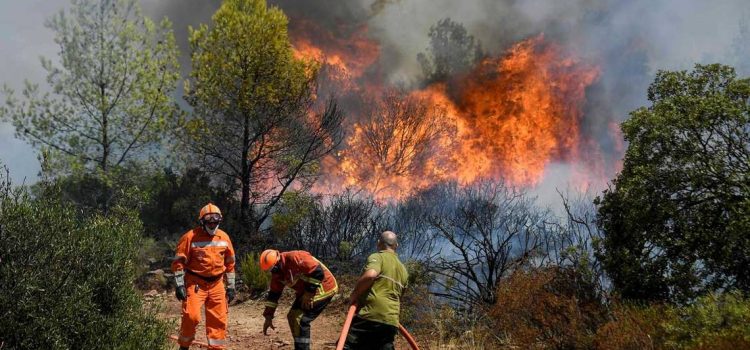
245,216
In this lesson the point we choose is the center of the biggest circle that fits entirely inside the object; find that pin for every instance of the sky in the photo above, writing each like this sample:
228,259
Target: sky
630,40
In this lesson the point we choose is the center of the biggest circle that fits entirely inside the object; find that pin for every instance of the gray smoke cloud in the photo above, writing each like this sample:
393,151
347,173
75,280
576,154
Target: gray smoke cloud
628,40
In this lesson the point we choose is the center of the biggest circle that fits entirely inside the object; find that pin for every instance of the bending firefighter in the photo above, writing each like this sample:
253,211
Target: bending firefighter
204,255
378,298
311,280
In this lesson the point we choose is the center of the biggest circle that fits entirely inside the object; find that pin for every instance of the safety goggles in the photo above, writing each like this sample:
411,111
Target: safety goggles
212,219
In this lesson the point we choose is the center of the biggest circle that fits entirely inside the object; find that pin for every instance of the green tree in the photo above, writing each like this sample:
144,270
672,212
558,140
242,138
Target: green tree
676,221
108,97
252,99
67,277
452,51
175,199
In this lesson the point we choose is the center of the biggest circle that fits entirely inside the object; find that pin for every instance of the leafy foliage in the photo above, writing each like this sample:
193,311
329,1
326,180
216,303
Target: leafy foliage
713,319
123,186
547,306
175,199
252,275
675,224
252,100
67,278
111,97
452,51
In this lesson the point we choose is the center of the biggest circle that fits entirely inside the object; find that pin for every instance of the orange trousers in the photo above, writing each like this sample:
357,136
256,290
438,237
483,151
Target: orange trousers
213,295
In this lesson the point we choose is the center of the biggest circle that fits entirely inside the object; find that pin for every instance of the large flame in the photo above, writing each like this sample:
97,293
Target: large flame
520,112
399,146
509,118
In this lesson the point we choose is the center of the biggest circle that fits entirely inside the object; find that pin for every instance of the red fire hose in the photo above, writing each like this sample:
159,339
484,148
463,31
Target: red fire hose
348,323
408,337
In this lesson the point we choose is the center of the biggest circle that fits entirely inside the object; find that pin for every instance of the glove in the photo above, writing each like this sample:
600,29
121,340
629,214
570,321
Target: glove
307,301
179,281
180,293
268,323
230,287
230,295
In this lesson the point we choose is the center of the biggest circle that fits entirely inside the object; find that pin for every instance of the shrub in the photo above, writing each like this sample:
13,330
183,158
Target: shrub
712,320
415,308
253,277
67,278
547,308
632,327
440,326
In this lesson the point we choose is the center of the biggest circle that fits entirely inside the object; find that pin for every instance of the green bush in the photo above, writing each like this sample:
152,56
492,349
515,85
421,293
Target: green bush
253,277
713,319
67,278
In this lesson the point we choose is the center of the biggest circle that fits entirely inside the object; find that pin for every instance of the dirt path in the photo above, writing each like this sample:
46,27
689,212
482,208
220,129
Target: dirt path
246,325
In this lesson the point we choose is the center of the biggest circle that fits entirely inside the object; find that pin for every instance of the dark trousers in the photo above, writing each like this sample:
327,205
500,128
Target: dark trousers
370,335
299,321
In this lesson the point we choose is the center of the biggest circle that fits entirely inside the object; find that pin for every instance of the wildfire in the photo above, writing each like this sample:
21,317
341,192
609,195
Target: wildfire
509,118
346,58
521,111
399,146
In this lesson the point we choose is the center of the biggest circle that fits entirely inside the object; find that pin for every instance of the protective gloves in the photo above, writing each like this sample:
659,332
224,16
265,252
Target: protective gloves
230,287
179,291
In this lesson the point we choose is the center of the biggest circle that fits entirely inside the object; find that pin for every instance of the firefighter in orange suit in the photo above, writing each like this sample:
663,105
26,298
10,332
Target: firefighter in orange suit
312,282
204,256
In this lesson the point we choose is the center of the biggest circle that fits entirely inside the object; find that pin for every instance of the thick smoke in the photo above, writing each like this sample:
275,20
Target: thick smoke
628,40
182,14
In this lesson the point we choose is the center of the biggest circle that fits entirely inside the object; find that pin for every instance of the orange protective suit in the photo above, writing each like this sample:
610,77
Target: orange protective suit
203,260
300,271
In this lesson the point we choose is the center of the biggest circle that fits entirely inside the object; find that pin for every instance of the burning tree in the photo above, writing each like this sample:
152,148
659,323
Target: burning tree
252,101
401,137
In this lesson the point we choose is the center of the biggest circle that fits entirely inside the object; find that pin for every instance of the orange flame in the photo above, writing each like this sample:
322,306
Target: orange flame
521,112
344,59
509,118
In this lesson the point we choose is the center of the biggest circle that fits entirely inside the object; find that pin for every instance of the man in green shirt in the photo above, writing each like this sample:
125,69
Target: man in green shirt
378,297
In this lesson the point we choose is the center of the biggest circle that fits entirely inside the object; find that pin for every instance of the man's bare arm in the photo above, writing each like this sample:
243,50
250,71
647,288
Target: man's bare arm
363,285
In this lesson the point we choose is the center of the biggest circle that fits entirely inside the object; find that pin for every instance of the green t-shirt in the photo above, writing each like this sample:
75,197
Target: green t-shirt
382,303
